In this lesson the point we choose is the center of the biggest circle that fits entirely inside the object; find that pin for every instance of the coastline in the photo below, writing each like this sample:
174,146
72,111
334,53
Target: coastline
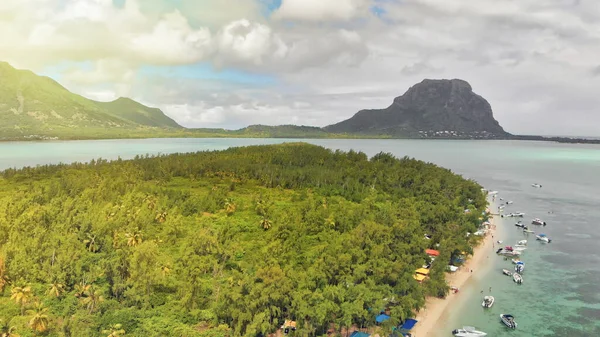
431,316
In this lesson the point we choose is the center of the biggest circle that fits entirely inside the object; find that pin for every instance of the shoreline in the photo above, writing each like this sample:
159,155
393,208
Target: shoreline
431,316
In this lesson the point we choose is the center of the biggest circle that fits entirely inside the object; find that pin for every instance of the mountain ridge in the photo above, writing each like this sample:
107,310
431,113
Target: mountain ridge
38,105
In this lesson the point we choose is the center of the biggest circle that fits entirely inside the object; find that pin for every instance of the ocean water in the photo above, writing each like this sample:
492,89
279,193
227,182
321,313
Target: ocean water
560,295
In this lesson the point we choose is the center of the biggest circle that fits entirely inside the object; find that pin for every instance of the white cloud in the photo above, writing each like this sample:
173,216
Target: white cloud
322,10
535,61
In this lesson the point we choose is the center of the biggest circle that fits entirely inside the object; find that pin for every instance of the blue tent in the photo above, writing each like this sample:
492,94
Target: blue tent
359,334
382,318
408,324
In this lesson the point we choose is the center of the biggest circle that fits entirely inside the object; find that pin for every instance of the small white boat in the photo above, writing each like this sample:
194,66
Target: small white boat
508,320
488,301
499,241
527,231
522,242
517,278
519,214
468,331
509,202
515,261
506,272
536,185
519,268
519,248
538,222
543,238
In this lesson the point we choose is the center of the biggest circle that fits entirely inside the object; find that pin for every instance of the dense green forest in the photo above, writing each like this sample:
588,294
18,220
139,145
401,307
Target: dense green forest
226,243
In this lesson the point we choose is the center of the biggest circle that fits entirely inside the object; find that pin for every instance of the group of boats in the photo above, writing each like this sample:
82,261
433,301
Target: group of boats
517,275
469,331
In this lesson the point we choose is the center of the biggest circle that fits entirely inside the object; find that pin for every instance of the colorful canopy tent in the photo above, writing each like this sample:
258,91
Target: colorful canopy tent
382,318
359,334
422,271
432,252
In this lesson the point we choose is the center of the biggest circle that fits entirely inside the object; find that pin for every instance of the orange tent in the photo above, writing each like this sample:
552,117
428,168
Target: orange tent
432,252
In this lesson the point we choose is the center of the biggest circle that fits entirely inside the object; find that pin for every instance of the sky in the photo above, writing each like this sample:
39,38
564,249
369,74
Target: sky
232,63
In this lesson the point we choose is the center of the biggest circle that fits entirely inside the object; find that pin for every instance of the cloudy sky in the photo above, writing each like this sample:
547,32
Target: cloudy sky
230,63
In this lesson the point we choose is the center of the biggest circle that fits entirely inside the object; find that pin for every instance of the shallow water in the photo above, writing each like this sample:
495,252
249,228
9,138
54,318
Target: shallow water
560,295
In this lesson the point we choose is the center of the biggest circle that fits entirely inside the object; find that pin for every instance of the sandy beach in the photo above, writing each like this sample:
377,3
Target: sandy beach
430,317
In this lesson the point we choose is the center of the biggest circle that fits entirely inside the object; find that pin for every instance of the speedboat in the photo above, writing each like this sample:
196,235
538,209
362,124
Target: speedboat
515,261
468,331
522,242
509,202
508,320
519,267
519,214
488,301
507,272
527,230
536,185
538,221
543,238
520,224
517,278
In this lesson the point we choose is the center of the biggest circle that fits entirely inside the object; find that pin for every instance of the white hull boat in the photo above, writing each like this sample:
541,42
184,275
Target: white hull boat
515,261
508,320
506,272
519,268
538,222
468,331
488,301
543,238
528,231
522,243
517,278
536,185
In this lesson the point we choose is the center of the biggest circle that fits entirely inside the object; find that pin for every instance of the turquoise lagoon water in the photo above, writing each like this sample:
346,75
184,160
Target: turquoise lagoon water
560,295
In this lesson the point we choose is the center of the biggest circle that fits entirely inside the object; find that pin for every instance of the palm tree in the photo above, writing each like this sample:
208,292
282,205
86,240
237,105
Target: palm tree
56,289
230,207
22,296
114,331
90,243
134,239
81,289
165,270
265,223
92,299
3,279
161,217
39,321
7,330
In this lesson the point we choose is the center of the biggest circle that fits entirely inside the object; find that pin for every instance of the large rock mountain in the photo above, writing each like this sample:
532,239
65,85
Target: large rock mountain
430,109
37,105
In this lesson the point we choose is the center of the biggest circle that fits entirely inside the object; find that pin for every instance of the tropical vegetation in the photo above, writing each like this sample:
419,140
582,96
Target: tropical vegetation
226,243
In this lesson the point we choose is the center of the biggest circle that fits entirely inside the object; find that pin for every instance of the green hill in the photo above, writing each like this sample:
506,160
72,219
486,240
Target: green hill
138,113
33,105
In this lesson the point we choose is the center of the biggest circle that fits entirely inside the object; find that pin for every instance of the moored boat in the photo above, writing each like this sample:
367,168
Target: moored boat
536,185
508,320
488,301
519,267
522,242
543,238
538,222
507,272
468,331
517,278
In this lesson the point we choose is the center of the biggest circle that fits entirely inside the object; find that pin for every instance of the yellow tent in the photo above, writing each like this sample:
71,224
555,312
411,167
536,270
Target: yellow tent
419,277
422,271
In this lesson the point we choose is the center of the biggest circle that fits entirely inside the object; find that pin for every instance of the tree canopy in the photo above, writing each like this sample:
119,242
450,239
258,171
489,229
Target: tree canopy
226,243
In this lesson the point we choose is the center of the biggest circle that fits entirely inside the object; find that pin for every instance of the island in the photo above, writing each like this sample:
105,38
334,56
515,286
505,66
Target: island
238,242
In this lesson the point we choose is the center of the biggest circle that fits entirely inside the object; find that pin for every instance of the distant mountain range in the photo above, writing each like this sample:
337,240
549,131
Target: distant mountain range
37,107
